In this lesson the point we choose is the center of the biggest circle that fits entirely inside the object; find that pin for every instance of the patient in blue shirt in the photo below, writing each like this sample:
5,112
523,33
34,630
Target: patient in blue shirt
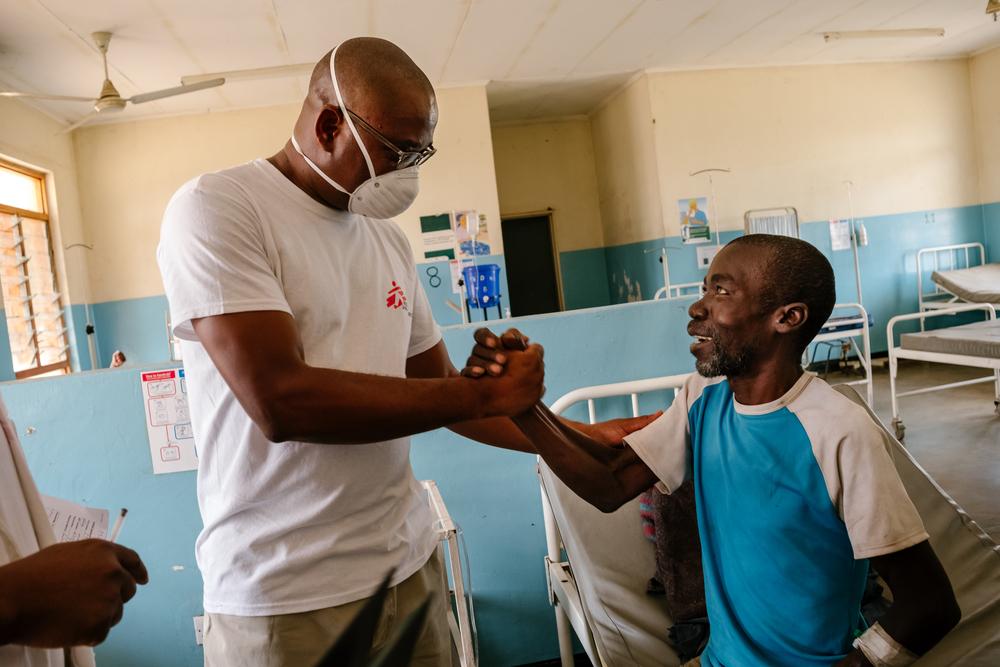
795,488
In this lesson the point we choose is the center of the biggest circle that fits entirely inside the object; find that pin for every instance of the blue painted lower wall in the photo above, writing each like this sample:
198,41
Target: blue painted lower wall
90,445
137,327
888,263
991,228
6,360
617,274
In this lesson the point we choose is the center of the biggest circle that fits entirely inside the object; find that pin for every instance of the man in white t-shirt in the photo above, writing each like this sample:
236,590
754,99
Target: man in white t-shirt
303,323
52,595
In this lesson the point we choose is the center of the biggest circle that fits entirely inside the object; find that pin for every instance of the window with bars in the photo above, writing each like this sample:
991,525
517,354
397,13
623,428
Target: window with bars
31,299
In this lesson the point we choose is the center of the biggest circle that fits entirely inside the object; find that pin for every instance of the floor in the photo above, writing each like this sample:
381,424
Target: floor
954,434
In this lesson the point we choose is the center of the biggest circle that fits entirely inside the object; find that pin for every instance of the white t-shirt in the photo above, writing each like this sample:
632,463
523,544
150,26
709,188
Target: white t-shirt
295,526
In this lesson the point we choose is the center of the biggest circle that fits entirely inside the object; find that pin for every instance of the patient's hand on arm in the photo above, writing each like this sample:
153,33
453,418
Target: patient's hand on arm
593,460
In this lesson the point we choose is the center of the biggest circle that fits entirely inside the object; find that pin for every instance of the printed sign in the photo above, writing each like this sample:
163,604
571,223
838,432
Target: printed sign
438,236
168,421
694,220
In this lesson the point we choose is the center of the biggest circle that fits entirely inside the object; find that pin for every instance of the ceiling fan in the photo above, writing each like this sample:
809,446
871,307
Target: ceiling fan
109,100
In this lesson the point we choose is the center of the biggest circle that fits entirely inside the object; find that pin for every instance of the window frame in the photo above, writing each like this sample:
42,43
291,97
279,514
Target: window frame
65,366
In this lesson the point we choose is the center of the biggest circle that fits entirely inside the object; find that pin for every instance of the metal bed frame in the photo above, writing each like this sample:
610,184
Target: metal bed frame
939,297
849,329
897,352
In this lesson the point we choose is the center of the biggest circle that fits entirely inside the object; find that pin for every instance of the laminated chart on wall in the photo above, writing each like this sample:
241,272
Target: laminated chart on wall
438,236
168,421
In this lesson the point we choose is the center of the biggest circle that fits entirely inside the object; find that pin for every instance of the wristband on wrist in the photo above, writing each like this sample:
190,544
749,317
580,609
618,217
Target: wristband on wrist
882,650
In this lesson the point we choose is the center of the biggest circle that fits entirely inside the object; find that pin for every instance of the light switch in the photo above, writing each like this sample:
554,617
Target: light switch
706,253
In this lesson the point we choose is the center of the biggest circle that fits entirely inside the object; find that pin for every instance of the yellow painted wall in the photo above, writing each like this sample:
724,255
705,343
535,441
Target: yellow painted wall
33,138
628,187
128,171
985,74
551,165
901,132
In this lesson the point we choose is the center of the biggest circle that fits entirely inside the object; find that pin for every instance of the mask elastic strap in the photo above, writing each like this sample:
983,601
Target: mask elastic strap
343,110
295,145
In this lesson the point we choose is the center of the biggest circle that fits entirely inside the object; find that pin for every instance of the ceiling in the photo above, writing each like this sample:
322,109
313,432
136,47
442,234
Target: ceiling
541,58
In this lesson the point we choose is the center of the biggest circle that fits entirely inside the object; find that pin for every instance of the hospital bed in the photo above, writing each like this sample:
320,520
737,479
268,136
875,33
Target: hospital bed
597,565
956,274
976,345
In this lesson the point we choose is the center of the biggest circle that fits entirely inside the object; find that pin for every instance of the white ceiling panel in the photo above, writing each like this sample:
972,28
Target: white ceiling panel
542,57
727,21
551,55
493,37
633,44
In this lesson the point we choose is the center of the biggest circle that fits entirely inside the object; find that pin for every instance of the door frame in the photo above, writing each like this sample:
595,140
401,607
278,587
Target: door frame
545,213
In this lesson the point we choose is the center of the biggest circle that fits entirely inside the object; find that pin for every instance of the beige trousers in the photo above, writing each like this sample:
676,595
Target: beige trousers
300,640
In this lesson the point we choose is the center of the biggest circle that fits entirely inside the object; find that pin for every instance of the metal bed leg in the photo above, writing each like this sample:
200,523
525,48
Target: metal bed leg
996,391
897,423
565,641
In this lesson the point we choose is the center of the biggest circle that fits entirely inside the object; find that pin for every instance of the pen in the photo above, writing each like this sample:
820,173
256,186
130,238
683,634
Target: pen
118,525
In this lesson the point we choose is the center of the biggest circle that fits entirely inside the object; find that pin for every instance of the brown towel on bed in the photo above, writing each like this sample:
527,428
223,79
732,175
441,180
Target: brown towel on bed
678,553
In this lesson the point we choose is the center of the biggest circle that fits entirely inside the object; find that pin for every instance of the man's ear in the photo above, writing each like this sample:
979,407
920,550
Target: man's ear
790,317
329,121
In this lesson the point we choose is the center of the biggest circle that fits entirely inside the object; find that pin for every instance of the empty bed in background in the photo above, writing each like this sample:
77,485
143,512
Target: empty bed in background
976,345
599,588
953,274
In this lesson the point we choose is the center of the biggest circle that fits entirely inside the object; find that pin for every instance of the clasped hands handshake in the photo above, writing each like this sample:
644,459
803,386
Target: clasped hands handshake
517,369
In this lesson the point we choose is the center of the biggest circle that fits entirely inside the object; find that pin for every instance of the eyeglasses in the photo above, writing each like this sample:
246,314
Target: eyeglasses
404,158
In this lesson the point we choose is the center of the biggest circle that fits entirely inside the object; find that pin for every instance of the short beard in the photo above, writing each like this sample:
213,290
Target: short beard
726,363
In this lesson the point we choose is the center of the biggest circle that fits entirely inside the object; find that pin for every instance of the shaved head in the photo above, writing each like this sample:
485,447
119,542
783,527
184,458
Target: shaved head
394,112
373,74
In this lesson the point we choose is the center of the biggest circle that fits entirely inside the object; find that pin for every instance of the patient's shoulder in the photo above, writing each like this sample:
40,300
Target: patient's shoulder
696,385
833,420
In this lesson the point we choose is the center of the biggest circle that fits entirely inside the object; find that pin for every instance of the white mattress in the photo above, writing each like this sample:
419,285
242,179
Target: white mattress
611,562
978,284
979,339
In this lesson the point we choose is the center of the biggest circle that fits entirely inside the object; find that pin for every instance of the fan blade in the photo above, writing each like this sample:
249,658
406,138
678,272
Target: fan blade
179,90
303,69
41,96
78,123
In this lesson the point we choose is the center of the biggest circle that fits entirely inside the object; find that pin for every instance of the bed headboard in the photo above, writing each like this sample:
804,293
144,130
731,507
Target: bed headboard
947,258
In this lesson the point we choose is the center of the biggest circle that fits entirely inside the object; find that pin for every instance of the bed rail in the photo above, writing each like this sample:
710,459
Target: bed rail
563,594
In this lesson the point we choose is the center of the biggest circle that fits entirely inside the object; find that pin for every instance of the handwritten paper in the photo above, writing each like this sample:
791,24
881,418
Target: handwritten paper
72,522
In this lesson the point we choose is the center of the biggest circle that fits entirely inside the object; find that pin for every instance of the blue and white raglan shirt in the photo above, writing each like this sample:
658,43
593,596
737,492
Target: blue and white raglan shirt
793,497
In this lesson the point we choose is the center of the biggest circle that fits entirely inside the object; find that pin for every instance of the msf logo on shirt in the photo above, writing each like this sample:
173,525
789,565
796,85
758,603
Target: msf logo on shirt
396,299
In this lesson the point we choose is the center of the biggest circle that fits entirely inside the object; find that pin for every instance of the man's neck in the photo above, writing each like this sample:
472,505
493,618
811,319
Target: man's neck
284,161
766,384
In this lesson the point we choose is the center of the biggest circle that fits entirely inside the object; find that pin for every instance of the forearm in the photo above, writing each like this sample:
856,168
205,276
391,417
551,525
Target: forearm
497,431
339,407
919,626
604,476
